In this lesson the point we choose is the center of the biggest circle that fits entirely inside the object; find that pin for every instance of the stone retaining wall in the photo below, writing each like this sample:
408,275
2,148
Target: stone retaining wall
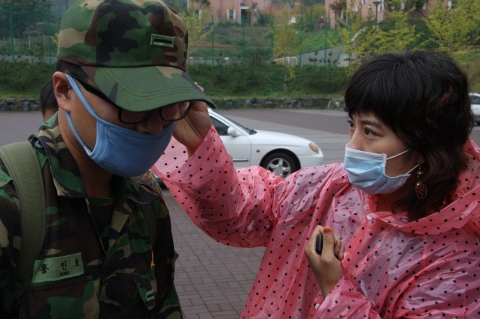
19,105
27,105
314,102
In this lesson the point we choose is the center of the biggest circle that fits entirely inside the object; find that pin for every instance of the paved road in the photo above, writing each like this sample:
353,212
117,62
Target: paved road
327,128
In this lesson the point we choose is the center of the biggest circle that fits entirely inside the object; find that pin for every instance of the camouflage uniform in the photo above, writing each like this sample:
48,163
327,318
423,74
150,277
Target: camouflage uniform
97,257
98,260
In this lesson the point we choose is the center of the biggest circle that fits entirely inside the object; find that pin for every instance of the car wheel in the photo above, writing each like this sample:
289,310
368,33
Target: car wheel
280,163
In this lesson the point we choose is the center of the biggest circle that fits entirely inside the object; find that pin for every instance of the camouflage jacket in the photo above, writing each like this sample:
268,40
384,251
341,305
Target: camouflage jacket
97,260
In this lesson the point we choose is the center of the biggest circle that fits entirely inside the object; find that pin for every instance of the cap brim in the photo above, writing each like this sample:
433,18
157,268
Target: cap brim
145,88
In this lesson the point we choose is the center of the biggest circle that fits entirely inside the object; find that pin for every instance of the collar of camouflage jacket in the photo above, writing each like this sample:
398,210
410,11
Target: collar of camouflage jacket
51,149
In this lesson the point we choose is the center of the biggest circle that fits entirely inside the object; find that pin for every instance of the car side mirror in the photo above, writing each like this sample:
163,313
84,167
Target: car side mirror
232,131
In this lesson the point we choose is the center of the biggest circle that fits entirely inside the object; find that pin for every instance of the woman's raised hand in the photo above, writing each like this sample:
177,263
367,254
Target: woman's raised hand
191,130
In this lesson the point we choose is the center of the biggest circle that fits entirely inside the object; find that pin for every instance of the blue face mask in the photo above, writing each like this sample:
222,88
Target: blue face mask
119,150
367,171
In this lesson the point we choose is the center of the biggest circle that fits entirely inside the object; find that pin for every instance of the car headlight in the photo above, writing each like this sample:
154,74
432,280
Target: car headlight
314,147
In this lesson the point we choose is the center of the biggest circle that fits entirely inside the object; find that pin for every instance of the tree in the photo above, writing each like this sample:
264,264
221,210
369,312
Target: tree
263,17
312,17
24,14
358,36
203,3
286,36
339,6
398,38
198,25
452,28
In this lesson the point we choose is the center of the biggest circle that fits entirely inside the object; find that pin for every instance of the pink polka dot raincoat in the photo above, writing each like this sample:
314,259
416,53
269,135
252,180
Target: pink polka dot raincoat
392,268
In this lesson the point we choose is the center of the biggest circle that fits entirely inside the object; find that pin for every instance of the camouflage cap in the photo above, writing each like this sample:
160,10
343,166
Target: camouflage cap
133,50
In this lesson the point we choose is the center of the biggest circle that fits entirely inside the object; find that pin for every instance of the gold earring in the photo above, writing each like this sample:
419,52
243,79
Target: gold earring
420,187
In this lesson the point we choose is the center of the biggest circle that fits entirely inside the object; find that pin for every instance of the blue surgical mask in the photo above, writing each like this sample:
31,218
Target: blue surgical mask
367,171
119,150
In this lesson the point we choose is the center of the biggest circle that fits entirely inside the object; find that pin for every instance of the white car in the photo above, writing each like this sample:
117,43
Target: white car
475,99
280,153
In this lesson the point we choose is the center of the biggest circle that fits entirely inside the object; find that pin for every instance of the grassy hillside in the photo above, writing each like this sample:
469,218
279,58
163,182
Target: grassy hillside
24,80
258,40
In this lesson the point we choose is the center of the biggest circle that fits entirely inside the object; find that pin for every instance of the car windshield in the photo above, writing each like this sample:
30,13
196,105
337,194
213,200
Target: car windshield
475,99
244,128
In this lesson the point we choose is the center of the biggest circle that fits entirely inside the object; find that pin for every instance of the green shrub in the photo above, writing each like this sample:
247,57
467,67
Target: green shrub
257,79
24,76
320,79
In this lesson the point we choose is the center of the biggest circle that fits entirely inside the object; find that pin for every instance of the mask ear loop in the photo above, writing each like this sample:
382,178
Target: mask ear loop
398,155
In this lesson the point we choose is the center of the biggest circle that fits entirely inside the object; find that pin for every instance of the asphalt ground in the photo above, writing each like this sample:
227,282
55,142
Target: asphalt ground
213,280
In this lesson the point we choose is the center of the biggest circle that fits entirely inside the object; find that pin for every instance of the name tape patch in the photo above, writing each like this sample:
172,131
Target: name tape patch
58,268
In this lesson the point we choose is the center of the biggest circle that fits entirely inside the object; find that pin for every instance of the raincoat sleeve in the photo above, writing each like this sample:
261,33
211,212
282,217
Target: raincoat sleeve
238,208
444,289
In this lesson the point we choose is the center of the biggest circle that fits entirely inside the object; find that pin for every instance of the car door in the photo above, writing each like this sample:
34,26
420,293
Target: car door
237,146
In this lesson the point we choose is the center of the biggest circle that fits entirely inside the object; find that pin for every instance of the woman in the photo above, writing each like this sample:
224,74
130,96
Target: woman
399,218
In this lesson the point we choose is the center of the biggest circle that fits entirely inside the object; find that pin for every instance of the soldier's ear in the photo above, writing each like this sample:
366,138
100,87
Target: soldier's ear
63,91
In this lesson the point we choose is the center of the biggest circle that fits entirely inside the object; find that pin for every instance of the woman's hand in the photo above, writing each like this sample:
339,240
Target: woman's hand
191,130
327,266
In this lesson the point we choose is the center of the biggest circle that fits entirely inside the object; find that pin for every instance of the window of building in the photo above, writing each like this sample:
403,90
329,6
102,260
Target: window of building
231,15
381,6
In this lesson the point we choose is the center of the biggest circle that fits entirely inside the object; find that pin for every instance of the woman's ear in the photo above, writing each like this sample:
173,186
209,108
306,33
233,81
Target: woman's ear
62,90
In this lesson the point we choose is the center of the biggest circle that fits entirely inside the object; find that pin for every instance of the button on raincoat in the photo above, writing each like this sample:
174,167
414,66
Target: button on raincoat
392,268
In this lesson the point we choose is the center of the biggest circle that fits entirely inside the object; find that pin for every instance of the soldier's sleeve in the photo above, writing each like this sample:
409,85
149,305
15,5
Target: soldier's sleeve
10,239
167,304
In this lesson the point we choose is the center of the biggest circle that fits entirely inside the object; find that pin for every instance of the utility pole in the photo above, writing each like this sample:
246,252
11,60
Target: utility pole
12,39
213,42
49,38
301,30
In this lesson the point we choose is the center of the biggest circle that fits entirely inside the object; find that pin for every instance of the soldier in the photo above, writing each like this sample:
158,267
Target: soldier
121,86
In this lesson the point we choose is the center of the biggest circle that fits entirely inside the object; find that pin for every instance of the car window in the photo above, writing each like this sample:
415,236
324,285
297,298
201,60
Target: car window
475,99
219,126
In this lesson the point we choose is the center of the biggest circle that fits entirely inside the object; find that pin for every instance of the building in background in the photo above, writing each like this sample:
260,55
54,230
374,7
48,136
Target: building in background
336,8
235,10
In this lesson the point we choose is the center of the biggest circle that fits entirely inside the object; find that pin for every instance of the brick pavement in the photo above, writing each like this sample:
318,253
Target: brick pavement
212,280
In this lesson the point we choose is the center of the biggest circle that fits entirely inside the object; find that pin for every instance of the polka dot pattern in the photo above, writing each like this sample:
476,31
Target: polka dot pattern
393,268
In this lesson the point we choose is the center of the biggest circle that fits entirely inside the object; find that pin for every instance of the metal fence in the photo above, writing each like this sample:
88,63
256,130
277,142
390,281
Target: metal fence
30,34
235,43
27,33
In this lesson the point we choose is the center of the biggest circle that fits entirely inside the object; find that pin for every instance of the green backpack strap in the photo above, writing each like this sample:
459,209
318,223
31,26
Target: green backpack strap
22,165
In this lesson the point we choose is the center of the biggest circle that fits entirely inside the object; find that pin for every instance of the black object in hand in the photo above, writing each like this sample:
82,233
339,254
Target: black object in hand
319,244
